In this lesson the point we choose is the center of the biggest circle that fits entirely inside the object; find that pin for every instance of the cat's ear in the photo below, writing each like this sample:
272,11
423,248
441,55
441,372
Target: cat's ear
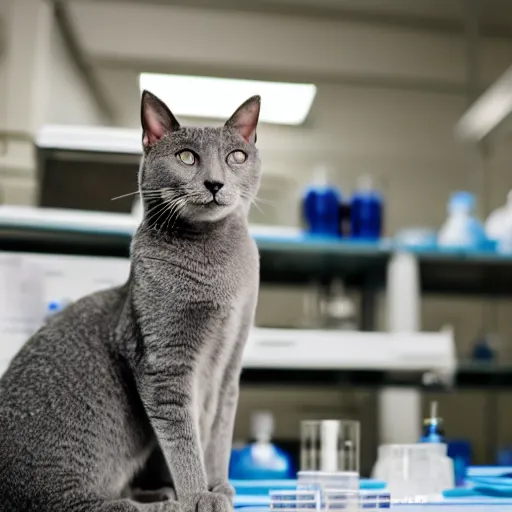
156,119
245,118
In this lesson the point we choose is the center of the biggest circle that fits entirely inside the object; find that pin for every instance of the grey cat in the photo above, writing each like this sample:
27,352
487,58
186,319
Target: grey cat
148,371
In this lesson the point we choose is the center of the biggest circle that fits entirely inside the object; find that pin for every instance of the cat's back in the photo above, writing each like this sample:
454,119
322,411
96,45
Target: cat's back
74,345
66,403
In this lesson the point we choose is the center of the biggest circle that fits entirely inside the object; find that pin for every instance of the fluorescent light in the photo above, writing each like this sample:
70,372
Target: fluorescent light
217,98
488,112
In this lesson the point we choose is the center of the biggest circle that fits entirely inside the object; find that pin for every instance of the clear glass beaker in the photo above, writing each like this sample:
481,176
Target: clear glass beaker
330,446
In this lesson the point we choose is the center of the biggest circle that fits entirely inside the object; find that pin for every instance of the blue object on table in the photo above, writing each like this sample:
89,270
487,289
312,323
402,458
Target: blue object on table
262,488
496,491
504,456
262,461
418,239
489,471
492,480
433,431
483,351
366,211
235,454
255,494
460,452
322,210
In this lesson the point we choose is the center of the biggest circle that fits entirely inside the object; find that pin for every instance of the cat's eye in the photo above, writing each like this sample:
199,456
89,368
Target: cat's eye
187,157
237,157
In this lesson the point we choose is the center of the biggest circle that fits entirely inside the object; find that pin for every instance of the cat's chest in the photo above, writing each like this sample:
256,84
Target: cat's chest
217,278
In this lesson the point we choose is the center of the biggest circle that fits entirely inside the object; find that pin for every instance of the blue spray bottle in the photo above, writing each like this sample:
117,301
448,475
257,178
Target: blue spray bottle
366,211
321,206
261,460
433,431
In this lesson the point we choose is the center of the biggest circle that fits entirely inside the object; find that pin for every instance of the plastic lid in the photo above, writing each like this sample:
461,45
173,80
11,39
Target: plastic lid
462,202
321,176
365,183
262,425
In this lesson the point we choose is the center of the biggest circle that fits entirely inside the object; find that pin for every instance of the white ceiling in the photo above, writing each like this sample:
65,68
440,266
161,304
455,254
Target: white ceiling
405,44
494,14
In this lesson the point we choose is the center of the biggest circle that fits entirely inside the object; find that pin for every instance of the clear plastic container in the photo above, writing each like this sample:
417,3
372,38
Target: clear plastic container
326,482
415,470
348,501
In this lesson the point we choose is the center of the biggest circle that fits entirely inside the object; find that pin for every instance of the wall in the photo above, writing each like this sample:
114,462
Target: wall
70,100
39,83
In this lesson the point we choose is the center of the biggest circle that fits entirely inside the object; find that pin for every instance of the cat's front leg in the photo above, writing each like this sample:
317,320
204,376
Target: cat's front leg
169,407
218,451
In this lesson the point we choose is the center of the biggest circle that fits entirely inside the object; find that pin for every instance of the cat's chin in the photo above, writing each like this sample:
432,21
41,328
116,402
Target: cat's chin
210,212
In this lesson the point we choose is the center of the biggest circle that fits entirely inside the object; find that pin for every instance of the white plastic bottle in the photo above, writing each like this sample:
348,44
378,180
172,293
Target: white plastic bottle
504,228
462,229
495,224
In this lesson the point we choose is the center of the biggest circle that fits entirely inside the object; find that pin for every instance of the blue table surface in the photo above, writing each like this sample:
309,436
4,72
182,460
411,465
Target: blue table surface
486,486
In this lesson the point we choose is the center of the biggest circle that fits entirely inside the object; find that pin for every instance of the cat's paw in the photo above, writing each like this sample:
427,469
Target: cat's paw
209,502
224,488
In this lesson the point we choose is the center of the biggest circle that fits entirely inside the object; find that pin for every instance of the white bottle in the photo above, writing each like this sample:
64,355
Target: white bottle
495,223
461,230
504,231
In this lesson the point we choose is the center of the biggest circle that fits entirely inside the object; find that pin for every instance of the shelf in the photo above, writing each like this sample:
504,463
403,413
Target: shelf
369,359
465,376
287,255
465,273
315,349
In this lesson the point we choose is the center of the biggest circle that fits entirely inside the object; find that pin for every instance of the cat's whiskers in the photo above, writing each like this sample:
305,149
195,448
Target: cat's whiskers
257,207
165,206
265,201
255,200
180,210
172,211
175,206
157,211
144,193
158,207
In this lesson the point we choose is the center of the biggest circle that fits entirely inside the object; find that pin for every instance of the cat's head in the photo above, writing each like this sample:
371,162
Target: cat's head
198,174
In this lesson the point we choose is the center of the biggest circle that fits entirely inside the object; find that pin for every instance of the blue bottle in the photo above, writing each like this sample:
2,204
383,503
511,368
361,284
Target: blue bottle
321,205
483,351
366,211
261,460
433,431
460,452
55,306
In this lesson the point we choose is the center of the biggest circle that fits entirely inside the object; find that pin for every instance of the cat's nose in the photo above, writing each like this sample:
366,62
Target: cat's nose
213,186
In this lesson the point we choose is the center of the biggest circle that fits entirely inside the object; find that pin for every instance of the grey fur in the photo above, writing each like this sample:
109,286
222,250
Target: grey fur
152,367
